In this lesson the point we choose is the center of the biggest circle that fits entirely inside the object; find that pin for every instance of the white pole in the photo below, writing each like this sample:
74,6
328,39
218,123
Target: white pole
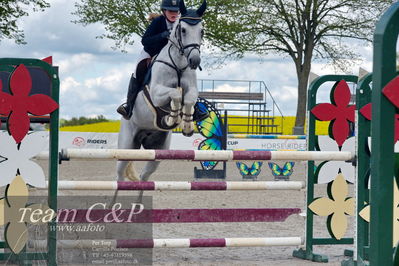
199,155
181,185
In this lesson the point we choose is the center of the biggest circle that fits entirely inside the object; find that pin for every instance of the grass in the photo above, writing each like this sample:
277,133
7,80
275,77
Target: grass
113,126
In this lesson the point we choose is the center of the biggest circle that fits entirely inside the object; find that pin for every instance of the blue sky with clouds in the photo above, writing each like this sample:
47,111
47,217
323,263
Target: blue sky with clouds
94,78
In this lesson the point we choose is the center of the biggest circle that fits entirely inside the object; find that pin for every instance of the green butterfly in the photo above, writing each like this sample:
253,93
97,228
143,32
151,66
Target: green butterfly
252,171
285,171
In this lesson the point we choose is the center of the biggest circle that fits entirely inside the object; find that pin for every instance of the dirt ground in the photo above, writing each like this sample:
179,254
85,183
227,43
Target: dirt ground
183,171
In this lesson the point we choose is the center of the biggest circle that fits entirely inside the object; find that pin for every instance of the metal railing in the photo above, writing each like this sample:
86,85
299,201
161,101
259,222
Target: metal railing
258,116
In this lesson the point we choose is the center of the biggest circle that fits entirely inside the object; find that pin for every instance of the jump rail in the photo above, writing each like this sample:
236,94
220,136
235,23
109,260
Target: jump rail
247,136
199,155
176,243
135,215
178,186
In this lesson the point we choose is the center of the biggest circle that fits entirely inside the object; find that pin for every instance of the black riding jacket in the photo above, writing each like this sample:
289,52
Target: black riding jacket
152,40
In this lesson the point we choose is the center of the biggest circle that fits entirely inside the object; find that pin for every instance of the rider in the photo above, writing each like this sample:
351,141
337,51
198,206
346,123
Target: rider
153,40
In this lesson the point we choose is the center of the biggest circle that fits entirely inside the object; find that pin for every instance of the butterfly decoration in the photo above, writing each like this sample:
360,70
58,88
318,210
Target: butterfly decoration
282,173
249,172
212,129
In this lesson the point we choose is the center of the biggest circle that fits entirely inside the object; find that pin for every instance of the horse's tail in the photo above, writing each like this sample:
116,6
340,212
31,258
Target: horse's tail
131,173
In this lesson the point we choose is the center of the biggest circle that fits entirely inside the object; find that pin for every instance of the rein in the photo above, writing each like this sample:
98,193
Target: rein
179,71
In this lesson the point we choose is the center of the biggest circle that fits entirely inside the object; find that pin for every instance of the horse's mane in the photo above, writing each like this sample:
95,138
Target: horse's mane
172,33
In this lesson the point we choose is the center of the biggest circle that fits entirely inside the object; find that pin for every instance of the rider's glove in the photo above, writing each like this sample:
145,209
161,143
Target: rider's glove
165,34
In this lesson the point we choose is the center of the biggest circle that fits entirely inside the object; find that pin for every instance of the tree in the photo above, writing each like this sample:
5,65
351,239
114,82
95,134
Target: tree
83,120
123,19
11,11
303,30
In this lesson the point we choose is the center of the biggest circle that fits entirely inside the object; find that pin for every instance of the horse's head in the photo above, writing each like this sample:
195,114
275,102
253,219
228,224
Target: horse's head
189,33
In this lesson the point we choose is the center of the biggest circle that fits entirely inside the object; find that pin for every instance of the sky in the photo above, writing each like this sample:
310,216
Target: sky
94,77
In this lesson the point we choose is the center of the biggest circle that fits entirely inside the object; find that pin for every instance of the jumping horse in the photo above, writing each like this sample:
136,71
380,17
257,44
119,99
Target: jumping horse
168,100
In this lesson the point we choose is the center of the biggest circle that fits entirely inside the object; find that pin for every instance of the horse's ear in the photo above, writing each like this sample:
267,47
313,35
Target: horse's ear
202,8
182,7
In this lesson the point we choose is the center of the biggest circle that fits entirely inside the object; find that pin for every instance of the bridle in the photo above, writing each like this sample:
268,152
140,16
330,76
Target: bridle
182,48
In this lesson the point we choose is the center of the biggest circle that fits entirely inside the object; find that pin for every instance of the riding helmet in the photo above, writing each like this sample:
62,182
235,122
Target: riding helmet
171,5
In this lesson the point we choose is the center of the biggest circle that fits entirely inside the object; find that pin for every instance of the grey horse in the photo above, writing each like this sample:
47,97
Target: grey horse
172,88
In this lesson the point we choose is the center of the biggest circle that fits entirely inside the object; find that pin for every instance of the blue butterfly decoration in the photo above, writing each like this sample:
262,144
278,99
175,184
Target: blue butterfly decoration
212,129
282,173
249,172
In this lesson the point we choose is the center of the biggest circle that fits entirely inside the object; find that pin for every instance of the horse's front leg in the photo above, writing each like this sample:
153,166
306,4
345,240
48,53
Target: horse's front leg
190,99
162,95
175,108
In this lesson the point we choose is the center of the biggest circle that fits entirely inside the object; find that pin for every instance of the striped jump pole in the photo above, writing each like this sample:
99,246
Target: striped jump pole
179,186
175,243
137,215
266,150
247,136
202,155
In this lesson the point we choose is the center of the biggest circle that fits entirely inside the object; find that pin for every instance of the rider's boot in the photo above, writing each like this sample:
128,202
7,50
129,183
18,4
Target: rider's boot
199,113
126,109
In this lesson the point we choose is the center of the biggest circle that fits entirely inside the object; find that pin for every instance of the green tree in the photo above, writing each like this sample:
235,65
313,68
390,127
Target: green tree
11,11
123,19
303,30
82,120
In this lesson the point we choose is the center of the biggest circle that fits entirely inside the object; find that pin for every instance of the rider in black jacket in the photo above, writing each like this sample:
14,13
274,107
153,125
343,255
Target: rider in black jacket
156,36
153,40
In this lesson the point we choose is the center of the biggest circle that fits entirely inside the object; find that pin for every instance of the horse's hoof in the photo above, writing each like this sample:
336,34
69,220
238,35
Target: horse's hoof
164,123
189,134
133,177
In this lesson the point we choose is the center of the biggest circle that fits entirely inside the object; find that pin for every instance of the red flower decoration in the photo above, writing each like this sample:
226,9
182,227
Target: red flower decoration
18,104
366,112
340,112
391,91
4,105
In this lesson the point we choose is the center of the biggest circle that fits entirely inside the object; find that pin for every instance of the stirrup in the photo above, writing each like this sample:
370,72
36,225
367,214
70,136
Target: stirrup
122,110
